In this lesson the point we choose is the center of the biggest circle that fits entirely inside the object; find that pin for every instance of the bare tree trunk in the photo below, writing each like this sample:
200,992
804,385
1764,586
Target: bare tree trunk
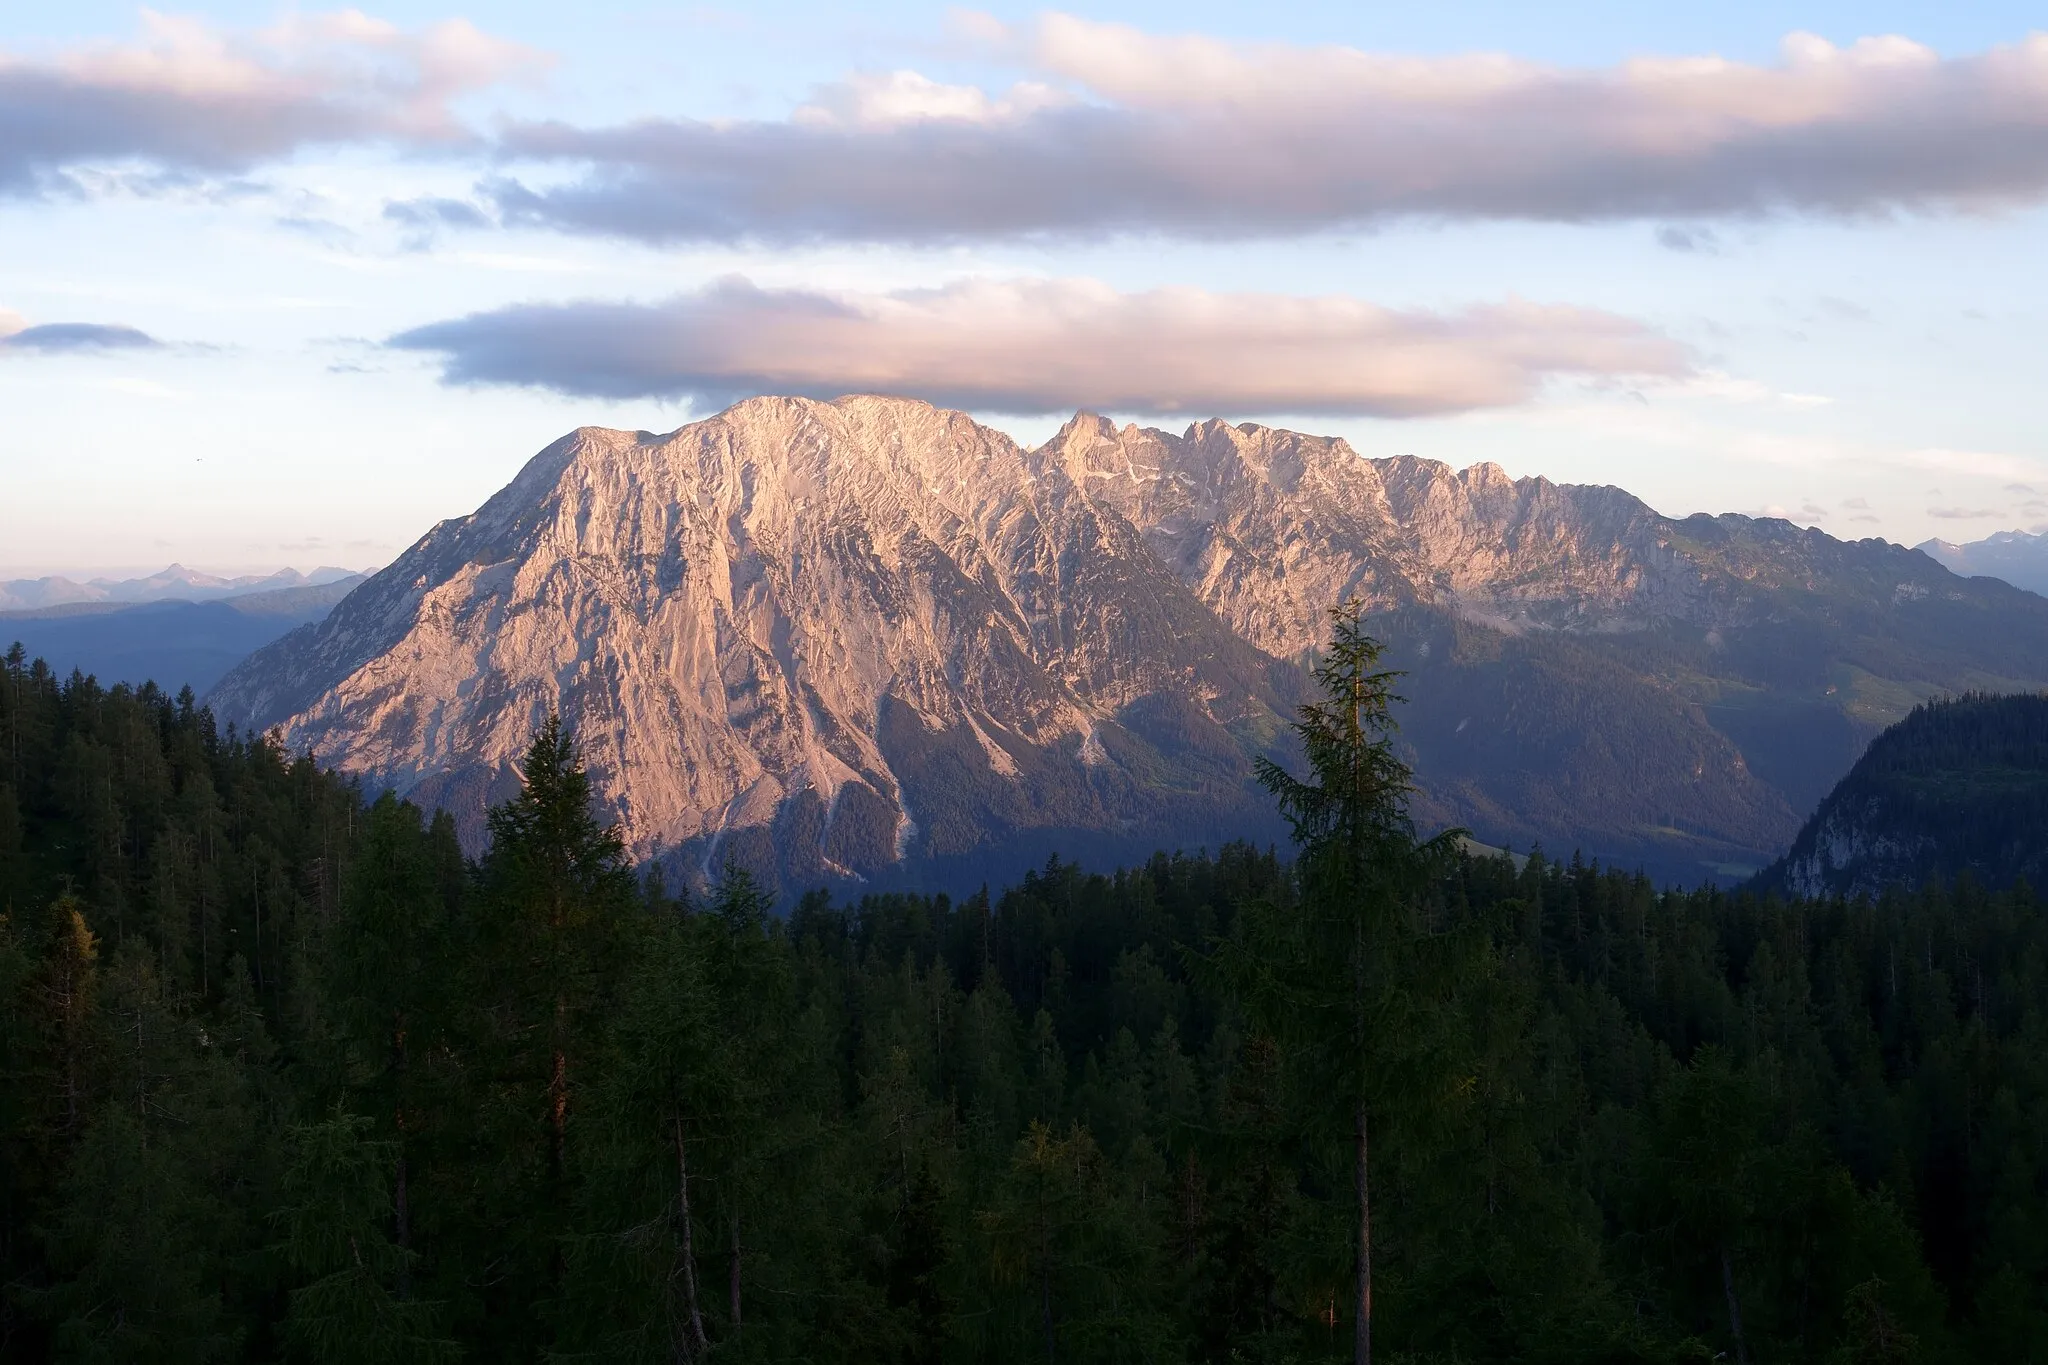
733,1286
1045,1306
256,908
693,1343
1361,1346
558,1094
1045,1273
401,1195
1734,1308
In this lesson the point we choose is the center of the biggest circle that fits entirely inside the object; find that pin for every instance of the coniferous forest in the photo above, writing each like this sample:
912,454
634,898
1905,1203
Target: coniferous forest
284,1076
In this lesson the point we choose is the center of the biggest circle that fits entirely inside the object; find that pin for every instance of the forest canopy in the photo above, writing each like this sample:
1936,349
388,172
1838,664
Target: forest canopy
284,1076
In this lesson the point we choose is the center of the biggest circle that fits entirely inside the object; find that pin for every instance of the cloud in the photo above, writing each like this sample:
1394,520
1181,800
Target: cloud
1034,346
1731,389
1695,240
1866,516
1813,509
189,99
1963,513
1856,504
435,212
1841,310
1124,131
58,338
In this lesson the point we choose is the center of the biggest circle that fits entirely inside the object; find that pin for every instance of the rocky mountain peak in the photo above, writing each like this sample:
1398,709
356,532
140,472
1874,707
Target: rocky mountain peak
847,638
854,616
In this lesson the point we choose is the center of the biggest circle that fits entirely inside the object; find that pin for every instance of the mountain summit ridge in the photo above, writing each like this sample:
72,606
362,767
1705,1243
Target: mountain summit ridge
870,636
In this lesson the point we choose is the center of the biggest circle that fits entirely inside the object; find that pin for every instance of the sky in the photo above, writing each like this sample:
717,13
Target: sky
288,285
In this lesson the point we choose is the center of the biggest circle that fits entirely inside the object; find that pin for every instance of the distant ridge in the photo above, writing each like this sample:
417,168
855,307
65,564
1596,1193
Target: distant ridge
176,583
871,638
2014,556
171,643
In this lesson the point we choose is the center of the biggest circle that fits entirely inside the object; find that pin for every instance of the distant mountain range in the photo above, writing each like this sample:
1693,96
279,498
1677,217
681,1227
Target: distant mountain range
176,583
1958,786
2015,556
172,643
871,638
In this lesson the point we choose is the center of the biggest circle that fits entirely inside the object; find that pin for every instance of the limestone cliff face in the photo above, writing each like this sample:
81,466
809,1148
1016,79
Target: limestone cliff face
1271,528
842,633
850,638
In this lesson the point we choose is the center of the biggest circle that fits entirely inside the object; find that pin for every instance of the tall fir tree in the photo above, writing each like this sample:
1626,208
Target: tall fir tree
1351,978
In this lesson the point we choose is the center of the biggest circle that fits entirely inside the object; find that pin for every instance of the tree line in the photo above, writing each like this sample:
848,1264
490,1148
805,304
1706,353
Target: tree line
284,1076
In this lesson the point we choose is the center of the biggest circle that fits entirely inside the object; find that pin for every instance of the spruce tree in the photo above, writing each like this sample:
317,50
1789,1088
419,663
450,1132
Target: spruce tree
1350,978
559,905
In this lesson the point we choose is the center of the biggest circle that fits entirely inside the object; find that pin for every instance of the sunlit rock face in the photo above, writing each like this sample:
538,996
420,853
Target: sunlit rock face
872,639
830,636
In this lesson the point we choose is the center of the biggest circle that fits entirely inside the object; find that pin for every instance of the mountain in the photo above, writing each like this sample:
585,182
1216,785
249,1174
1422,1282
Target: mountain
873,638
1958,785
176,583
2018,558
174,644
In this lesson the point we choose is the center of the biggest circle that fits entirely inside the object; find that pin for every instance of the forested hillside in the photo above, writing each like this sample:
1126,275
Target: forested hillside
1959,786
285,1078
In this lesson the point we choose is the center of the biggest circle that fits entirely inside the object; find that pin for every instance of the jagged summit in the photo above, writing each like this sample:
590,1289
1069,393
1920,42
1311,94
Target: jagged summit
867,636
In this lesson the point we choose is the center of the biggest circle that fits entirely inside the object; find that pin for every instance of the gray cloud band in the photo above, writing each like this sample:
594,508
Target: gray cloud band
1119,132
1195,138
1040,346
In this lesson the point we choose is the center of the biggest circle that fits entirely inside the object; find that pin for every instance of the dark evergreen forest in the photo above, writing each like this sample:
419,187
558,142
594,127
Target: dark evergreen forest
284,1077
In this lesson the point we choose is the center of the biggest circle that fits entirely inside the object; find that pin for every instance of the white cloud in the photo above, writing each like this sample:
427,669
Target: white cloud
900,97
1035,346
1732,389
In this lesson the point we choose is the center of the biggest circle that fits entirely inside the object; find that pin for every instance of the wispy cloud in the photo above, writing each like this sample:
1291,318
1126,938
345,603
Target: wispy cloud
1125,131
435,212
188,98
1963,513
1037,346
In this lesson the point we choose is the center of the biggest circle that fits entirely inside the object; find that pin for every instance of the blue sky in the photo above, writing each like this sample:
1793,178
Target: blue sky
1839,320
